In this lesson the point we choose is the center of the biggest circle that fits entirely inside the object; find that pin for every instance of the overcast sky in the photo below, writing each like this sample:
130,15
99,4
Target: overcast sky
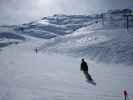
21,11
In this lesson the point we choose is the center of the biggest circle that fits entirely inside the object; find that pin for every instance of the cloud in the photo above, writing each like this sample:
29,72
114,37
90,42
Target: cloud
20,11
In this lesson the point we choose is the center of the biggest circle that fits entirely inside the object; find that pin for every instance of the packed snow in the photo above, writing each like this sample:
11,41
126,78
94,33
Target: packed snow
53,71
25,75
106,45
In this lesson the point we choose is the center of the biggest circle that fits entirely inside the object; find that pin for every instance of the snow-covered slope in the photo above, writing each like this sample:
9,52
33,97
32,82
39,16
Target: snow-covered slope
102,37
8,36
107,42
108,45
54,26
25,75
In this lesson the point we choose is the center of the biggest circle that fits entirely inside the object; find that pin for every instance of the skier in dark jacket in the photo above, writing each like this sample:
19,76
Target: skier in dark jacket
84,68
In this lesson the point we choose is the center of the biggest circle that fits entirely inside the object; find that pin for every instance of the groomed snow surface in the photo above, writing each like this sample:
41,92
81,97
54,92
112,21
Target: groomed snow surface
25,75
53,73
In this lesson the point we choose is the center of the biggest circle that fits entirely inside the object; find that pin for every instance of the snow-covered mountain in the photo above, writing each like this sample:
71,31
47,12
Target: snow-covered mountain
49,74
103,37
8,36
53,26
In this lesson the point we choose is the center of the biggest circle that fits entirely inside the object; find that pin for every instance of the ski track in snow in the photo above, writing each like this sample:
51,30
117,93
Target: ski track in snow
25,75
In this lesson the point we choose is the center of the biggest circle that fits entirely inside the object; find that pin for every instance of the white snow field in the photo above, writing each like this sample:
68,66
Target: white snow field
53,73
95,42
25,75
85,35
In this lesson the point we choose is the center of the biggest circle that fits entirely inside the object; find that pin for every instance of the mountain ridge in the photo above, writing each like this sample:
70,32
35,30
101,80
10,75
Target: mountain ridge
102,37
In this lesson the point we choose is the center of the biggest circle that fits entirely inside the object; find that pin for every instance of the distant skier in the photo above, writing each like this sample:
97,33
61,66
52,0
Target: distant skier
36,50
84,68
125,95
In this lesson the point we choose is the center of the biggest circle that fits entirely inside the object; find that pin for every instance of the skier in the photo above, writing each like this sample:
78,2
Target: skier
84,68
125,94
36,50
